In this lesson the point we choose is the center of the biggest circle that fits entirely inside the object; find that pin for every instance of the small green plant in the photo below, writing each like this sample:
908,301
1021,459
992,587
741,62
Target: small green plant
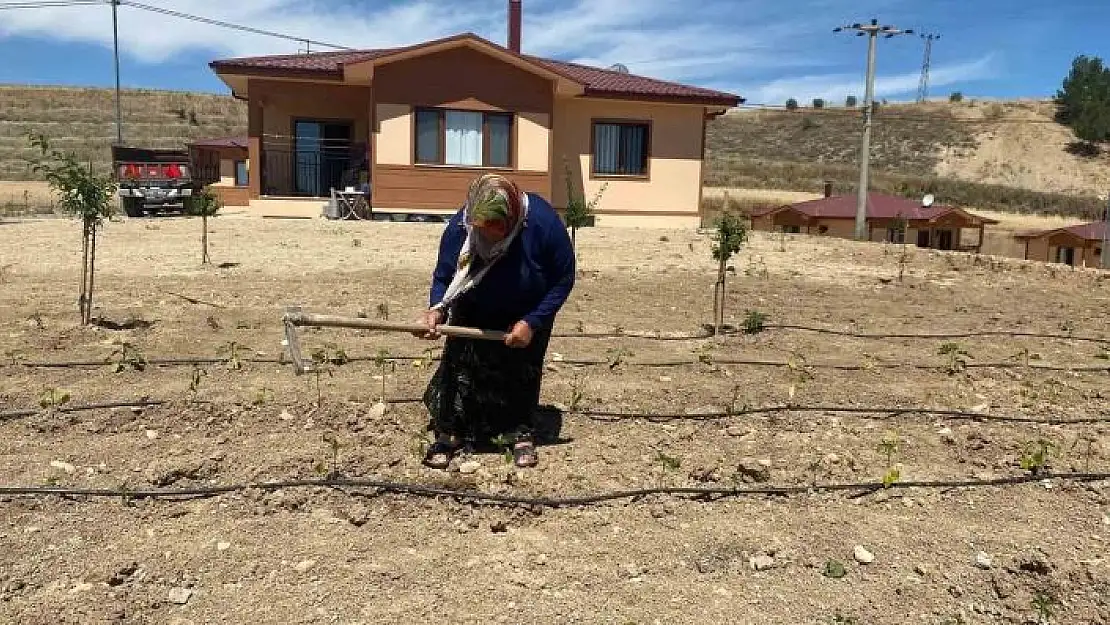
383,310
730,236
576,394
82,194
669,463
383,361
889,447
52,398
617,356
1067,326
204,204
840,619
426,360
579,211
262,395
1045,606
1036,454
232,351
128,357
898,227
735,406
957,358
834,569
195,377
332,441
754,322
800,373
324,360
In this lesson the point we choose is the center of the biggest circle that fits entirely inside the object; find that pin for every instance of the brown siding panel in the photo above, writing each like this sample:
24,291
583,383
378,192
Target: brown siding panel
232,196
440,188
462,78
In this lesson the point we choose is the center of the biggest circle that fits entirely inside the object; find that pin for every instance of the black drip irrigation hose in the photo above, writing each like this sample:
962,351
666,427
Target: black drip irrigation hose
424,490
655,417
942,335
589,362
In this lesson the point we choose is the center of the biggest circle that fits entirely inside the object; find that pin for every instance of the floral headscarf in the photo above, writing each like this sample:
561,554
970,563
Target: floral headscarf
494,214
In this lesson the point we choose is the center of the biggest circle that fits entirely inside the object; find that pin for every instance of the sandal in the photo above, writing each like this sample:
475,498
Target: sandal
443,449
524,454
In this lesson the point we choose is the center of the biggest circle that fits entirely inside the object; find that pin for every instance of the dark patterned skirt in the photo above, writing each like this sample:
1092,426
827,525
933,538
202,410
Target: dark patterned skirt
483,389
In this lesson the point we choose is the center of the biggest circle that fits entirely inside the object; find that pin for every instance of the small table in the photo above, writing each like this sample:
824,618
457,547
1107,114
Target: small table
352,205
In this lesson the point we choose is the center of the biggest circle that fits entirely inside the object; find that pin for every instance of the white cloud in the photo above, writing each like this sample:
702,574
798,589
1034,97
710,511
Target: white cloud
835,87
661,38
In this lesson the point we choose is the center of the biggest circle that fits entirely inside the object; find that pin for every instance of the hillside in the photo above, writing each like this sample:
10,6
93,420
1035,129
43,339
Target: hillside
1000,155
84,120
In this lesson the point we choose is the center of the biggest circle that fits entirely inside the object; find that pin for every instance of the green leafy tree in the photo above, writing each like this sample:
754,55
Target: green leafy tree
791,104
851,102
1083,102
731,235
82,194
203,204
579,212
956,97
818,103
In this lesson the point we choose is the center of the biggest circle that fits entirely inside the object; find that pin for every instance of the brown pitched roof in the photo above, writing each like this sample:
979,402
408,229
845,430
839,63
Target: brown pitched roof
879,206
221,142
1092,231
596,81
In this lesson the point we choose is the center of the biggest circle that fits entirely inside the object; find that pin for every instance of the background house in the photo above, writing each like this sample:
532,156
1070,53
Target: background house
934,226
1080,245
222,165
419,122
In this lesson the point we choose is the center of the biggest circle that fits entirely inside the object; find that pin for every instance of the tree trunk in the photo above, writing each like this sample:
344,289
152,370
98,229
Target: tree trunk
92,273
84,270
719,298
204,260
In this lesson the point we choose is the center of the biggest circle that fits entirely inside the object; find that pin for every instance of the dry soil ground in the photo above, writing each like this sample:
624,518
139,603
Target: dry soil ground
349,556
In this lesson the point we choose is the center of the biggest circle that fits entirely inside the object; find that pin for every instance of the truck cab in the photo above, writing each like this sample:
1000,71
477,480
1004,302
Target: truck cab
152,180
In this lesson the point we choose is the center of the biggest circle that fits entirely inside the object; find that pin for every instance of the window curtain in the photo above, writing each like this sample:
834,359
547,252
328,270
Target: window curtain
633,143
607,149
464,138
500,131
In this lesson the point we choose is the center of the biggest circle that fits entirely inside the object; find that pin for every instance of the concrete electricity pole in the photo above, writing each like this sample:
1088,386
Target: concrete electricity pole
115,45
872,30
923,86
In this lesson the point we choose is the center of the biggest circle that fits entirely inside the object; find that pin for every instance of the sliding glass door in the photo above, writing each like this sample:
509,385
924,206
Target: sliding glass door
322,154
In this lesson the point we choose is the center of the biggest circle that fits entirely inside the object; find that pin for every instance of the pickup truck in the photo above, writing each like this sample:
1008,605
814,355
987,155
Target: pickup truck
153,180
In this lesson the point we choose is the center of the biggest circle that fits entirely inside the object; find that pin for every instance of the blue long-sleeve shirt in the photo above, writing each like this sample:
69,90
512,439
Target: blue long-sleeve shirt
530,283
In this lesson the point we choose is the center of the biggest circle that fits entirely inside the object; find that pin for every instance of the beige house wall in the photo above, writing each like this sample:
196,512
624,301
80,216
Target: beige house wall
674,164
394,135
533,142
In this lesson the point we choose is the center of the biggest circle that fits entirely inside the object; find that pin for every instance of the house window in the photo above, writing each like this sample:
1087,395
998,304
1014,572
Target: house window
1065,255
896,235
241,173
463,138
620,149
792,229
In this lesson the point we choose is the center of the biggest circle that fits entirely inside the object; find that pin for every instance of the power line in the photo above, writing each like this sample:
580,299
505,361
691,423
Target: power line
223,24
923,86
872,31
48,4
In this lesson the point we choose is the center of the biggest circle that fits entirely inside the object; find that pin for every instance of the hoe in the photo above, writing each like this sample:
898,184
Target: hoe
294,317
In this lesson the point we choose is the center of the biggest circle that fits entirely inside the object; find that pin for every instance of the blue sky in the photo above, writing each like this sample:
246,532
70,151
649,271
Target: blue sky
764,50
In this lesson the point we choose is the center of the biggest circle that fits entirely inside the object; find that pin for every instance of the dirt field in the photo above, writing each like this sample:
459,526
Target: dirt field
332,555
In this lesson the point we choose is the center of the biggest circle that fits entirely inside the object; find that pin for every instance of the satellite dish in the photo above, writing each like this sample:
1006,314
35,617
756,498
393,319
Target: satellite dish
619,68
928,200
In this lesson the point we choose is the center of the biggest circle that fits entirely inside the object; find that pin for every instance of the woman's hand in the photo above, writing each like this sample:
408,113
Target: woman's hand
430,319
519,336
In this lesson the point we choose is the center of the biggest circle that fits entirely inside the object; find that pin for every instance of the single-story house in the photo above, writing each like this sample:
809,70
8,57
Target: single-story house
1080,245
222,165
417,123
933,226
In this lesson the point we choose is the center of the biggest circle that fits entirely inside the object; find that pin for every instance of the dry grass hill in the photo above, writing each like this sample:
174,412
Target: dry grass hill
84,120
1002,156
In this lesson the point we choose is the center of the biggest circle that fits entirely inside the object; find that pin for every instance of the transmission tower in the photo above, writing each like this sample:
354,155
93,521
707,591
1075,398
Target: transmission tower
923,86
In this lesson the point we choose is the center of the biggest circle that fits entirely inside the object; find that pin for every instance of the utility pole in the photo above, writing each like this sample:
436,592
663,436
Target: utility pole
872,30
115,45
923,86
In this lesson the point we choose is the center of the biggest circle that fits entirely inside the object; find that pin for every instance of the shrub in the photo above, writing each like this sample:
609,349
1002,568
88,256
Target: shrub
851,102
818,103
791,104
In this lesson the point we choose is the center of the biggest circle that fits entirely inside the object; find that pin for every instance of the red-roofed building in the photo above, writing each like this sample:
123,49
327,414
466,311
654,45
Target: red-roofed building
418,123
933,226
1080,245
